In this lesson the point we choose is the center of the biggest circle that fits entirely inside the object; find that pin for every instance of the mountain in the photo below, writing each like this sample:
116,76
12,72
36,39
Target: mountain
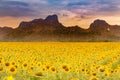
115,30
104,31
50,29
51,22
4,31
52,19
99,26
43,26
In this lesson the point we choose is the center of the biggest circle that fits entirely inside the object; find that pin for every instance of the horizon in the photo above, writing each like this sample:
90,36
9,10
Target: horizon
70,13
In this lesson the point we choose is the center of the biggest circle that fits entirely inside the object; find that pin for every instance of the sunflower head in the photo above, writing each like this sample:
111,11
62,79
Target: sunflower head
7,64
9,78
52,69
39,74
93,78
1,69
12,70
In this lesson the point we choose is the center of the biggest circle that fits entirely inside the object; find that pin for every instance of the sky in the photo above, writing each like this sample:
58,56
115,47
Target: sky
70,12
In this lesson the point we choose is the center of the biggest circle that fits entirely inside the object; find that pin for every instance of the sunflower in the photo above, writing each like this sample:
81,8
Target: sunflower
39,74
101,69
29,71
93,78
94,73
64,66
83,70
7,64
67,69
1,69
16,66
74,79
24,65
9,78
116,71
0,61
112,71
52,69
31,68
77,71
39,64
43,69
47,66
13,63
107,73
12,70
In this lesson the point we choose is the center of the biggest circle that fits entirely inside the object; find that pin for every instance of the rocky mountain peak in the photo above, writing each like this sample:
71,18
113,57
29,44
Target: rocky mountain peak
52,18
100,25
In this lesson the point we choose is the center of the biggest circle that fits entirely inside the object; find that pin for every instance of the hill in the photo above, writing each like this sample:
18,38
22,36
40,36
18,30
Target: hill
50,29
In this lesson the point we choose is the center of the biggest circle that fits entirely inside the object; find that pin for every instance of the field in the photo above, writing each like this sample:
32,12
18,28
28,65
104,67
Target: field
59,61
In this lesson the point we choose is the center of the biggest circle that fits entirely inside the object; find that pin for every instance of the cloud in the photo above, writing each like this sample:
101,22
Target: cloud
14,3
78,3
68,14
15,9
74,10
94,7
18,8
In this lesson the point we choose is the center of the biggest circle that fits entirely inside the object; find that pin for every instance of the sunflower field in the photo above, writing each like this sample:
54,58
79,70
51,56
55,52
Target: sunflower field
59,61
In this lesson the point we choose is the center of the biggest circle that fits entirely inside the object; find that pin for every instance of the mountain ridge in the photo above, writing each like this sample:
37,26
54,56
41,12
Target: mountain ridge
50,29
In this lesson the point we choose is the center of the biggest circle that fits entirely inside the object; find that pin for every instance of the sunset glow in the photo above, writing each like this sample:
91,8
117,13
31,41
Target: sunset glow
77,12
